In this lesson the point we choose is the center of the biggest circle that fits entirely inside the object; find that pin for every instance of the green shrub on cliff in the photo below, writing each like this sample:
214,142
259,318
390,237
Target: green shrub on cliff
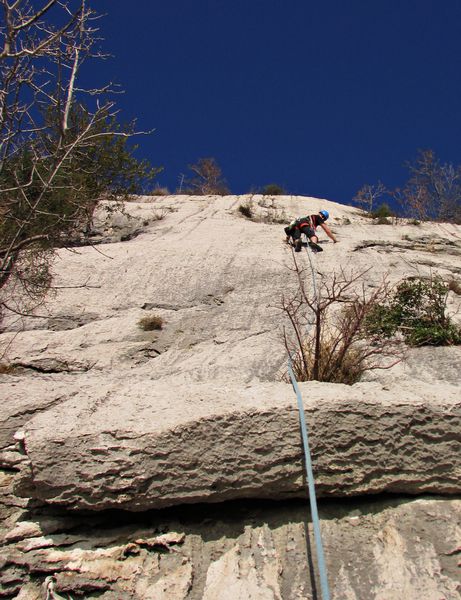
416,310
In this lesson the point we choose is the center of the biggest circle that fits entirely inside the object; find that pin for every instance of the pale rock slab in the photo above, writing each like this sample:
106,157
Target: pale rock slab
116,417
125,449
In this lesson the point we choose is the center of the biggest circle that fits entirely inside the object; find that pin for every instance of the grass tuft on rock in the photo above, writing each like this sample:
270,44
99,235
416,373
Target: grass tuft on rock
151,323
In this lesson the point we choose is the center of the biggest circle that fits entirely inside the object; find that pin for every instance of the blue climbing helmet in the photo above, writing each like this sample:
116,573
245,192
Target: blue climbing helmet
325,214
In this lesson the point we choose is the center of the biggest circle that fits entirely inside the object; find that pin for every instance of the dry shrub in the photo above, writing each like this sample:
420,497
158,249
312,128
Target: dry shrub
246,210
158,191
271,213
273,189
7,369
151,323
348,369
328,339
159,215
267,212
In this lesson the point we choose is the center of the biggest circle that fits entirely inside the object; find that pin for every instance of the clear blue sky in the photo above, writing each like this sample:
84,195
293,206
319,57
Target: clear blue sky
319,97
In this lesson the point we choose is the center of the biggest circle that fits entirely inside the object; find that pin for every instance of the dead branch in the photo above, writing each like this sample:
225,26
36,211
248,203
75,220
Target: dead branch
50,129
330,341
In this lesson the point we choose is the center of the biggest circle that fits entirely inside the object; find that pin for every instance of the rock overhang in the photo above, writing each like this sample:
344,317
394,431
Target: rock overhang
241,443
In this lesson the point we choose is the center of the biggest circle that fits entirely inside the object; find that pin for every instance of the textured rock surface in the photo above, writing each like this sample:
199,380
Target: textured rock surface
117,416
99,413
218,443
382,549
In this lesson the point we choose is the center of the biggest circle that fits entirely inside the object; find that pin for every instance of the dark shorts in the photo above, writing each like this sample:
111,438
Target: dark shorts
296,233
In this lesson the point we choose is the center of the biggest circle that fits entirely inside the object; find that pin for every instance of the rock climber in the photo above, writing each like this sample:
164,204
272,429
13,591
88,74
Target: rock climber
308,225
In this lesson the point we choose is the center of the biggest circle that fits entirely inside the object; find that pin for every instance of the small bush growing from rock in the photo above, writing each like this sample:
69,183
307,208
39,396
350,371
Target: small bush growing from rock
381,215
151,323
246,210
417,310
328,341
159,191
275,217
159,215
7,369
273,189
333,366
265,211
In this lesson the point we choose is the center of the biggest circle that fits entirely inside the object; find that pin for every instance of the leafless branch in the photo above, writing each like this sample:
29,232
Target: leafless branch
49,126
329,339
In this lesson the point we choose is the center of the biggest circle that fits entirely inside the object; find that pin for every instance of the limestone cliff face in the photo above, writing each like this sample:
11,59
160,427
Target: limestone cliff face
101,414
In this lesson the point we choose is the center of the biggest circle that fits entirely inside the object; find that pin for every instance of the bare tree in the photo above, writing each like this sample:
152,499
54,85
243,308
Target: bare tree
55,138
433,190
207,179
369,194
328,340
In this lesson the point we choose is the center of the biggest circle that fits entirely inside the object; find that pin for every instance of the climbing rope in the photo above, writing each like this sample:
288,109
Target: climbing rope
308,463
314,273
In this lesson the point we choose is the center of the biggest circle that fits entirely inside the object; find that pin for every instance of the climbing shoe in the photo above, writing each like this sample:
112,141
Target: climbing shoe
315,247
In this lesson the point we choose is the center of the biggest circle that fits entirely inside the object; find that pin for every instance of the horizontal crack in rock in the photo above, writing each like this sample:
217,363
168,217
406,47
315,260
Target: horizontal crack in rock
420,244
52,365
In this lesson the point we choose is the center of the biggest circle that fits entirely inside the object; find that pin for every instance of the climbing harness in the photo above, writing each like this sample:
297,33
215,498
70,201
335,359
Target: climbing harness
308,461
